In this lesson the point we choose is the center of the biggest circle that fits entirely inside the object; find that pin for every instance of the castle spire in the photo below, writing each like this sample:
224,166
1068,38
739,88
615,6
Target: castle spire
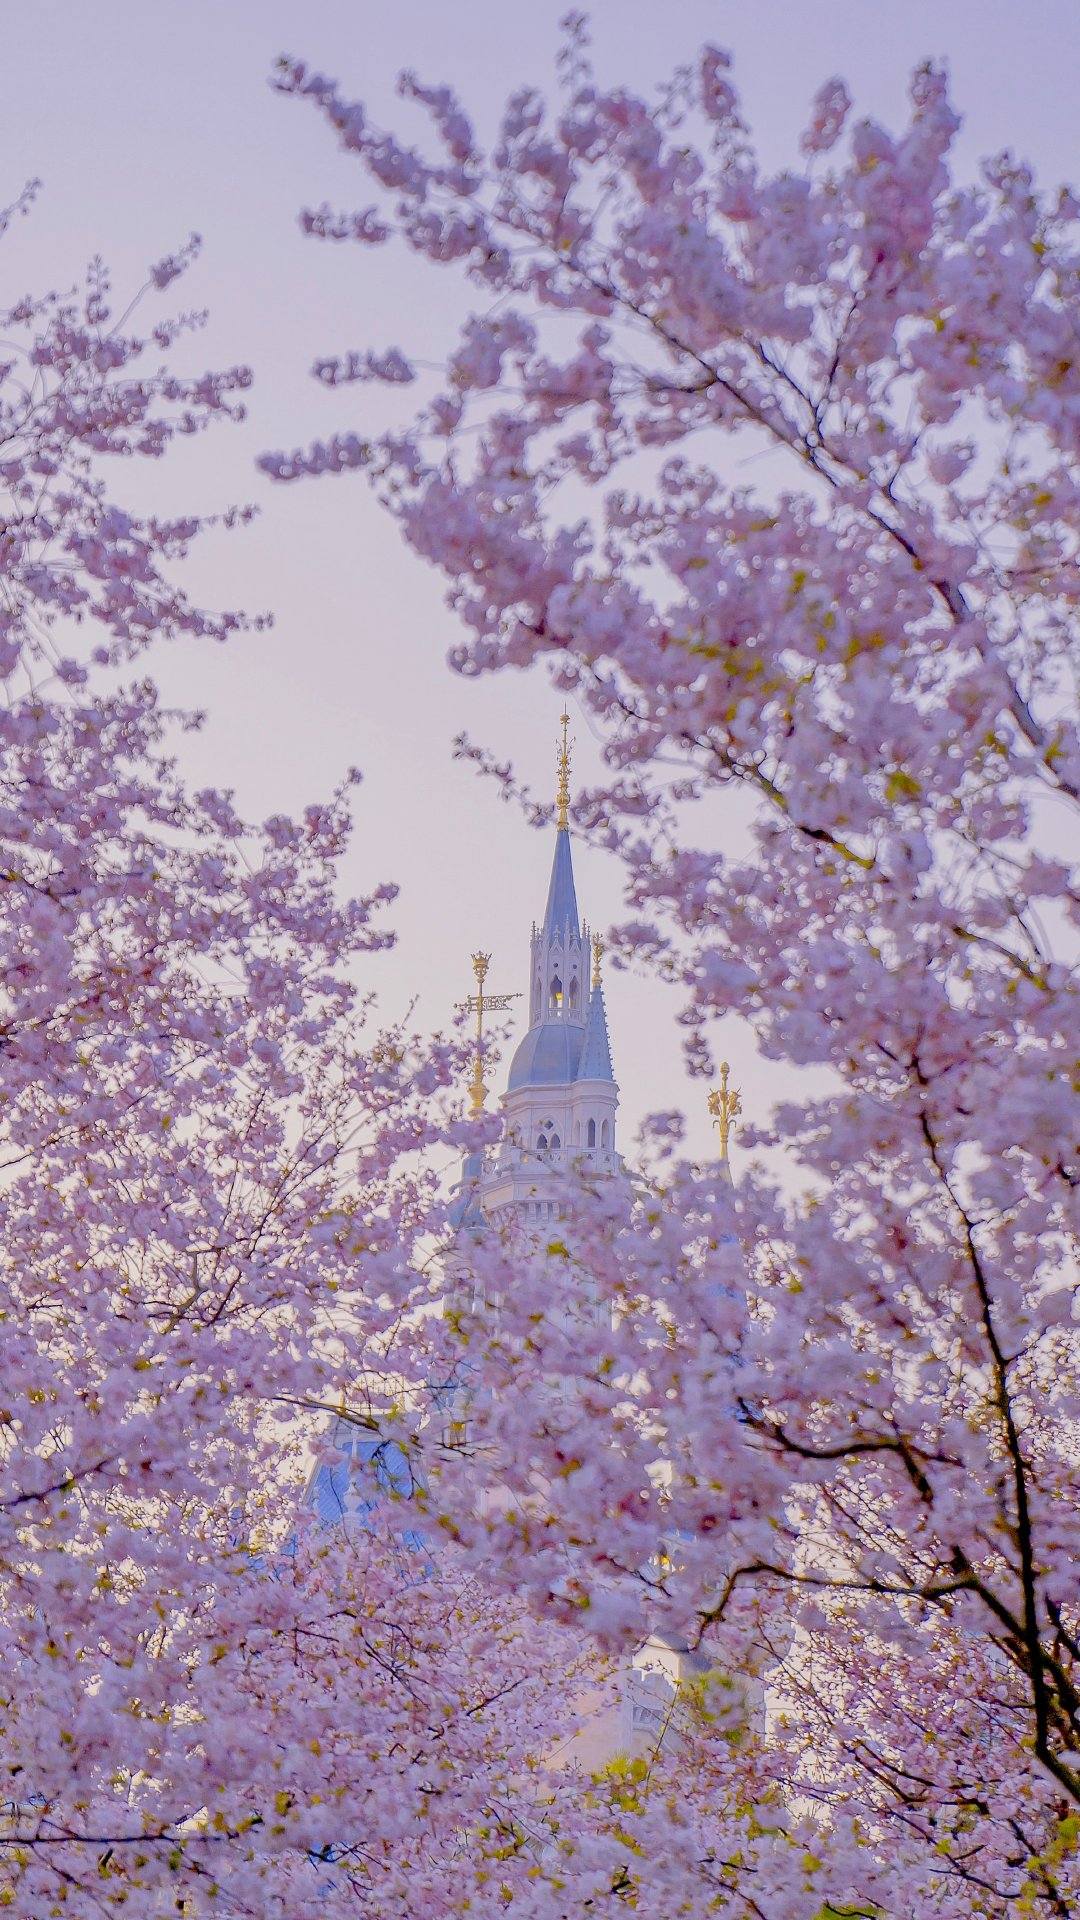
561,1100
561,913
595,1062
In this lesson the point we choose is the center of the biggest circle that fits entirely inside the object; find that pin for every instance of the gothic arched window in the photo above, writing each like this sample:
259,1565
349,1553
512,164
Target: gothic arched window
555,1143
591,1136
604,1134
556,991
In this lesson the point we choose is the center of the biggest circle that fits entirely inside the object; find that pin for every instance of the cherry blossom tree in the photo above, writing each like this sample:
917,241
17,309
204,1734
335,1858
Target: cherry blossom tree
211,1207
219,1219
179,1090
851,1408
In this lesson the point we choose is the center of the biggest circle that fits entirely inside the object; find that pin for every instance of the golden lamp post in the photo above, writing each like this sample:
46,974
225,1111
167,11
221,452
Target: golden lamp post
481,1003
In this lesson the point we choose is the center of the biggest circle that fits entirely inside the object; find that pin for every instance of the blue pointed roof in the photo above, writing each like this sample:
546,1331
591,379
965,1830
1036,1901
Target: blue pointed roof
562,908
595,1062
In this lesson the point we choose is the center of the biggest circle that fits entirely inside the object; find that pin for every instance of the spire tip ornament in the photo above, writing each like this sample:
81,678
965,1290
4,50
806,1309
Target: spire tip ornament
562,797
597,956
724,1104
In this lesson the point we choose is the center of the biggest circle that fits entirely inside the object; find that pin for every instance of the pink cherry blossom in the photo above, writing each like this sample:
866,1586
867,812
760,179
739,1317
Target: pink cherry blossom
825,1434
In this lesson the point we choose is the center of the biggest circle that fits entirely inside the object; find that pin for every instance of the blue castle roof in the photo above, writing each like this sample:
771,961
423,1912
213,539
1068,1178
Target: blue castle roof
364,1485
548,1056
561,912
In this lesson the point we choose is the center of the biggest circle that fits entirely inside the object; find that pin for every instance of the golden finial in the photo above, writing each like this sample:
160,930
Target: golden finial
562,797
597,954
724,1105
481,1003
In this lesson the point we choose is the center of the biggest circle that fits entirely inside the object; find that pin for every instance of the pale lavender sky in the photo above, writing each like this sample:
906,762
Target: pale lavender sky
149,118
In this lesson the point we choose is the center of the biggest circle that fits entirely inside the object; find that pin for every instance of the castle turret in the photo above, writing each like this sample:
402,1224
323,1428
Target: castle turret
561,1096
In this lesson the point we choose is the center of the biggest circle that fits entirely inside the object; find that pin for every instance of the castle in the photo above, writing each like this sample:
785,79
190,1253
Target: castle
559,1113
561,1098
